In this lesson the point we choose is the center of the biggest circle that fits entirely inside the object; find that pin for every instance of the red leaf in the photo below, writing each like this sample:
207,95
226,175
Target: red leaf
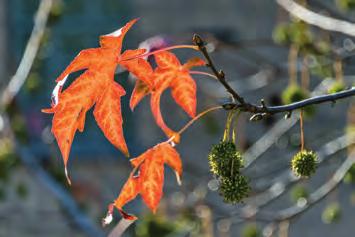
151,175
139,92
169,73
151,178
95,85
108,116
129,191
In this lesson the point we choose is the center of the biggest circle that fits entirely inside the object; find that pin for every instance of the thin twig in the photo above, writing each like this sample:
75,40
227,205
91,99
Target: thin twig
33,44
261,110
26,156
65,199
219,74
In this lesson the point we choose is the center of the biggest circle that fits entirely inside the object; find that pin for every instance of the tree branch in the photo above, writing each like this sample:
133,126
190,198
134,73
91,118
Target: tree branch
303,103
324,22
219,74
30,53
260,111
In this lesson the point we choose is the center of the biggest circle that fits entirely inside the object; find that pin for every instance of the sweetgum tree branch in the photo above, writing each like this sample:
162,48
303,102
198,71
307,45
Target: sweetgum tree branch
262,110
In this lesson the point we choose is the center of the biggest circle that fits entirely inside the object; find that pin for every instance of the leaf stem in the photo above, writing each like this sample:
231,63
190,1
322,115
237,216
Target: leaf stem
203,73
182,46
198,117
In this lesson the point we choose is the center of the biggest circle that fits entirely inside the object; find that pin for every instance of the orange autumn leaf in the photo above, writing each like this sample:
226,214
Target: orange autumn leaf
169,74
129,191
150,179
95,86
108,115
177,77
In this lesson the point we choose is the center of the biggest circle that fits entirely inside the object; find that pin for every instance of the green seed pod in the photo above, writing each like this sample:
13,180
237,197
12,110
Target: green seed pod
304,163
225,160
336,87
251,230
234,189
331,213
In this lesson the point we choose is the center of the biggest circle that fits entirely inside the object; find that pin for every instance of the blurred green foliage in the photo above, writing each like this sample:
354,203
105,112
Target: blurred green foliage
297,192
294,93
251,230
332,213
8,159
152,225
346,4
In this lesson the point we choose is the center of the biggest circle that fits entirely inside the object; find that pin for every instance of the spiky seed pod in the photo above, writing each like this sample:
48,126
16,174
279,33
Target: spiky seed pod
225,160
304,163
336,87
331,213
234,189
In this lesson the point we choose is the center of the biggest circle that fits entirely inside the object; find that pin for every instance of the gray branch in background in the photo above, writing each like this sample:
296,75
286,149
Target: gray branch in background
290,213
284,180
321,21
33,44
27,158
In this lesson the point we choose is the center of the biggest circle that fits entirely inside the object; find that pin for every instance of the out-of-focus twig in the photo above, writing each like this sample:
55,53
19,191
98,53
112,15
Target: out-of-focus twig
28,160
318,195
324,22
281,182
33,44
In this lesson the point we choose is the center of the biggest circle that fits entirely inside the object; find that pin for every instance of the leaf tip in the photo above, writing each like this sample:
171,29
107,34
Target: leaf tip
48,111
126,153
107,219
109,216
178,178
67,175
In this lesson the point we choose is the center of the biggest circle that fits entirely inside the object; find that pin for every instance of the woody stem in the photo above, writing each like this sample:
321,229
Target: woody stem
301,127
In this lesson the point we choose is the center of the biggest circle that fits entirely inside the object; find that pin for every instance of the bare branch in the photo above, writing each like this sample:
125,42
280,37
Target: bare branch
30,53
303,103
260,111
219,74
324,22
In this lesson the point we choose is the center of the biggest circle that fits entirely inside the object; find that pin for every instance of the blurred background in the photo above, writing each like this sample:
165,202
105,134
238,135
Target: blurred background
261,50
